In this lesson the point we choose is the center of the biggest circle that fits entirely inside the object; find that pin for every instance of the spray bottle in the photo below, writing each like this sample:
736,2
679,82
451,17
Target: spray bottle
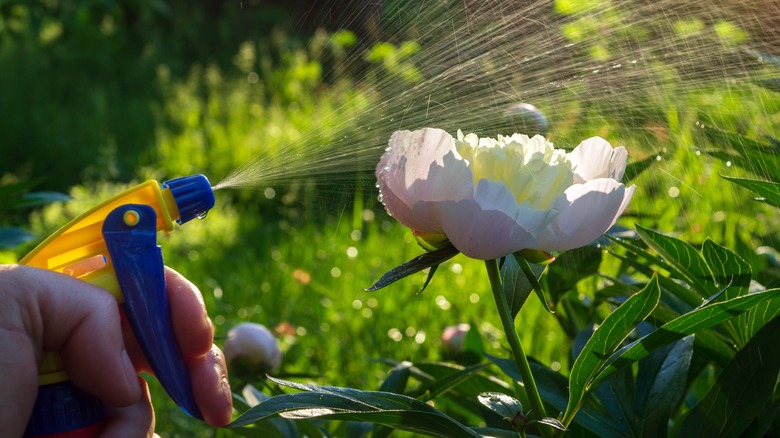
114,246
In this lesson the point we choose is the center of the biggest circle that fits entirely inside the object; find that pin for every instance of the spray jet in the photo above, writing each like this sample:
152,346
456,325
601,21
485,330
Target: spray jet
114,246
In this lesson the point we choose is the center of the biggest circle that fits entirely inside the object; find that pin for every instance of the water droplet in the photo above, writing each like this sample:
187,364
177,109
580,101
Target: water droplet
202,215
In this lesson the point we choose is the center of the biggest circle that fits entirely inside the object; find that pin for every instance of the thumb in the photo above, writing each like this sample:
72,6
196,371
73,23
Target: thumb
81,322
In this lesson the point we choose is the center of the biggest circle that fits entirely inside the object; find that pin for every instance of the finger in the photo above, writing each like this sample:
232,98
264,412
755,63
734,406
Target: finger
136,420
211,388
81,322
18,370
191,323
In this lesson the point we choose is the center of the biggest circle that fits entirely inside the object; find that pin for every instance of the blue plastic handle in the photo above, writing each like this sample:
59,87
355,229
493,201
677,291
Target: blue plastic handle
130,235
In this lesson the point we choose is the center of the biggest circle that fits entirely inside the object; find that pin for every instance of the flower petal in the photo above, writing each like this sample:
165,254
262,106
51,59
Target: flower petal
482,234
491,195
595,158
493,224
417,168
586,211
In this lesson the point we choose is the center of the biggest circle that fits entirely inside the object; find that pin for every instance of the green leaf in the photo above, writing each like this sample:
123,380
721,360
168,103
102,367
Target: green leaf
11,237
729,269
648,264
605,340
397,379
417,264
532,274
667,388
751,155
445,384
455,393
682,256
741,391
553,388
767,190
732,273
495,432
687,324
570,267
506,406
635,168
554,423
517,288
393,410
760,315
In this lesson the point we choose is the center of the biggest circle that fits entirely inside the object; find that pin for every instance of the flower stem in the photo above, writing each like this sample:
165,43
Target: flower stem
537,407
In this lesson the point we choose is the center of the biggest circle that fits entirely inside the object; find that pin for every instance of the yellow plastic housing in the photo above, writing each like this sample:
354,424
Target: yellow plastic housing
78,250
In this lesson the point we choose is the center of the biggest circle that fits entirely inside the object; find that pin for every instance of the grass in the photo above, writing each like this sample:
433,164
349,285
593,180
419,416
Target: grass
301,254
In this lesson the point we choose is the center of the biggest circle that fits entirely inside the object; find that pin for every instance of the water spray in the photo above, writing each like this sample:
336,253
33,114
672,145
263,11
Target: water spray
114,246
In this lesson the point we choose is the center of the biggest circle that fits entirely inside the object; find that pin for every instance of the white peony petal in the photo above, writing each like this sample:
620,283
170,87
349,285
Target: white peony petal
586,211
421,148
448,180
417,167
482,234
491,195
595,158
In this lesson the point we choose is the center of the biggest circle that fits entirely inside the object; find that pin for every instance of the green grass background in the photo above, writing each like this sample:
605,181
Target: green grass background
302,253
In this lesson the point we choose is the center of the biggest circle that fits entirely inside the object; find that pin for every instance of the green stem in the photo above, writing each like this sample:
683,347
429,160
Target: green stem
537,407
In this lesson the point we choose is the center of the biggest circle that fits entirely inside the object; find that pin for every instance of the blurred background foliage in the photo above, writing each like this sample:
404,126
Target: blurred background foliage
100,94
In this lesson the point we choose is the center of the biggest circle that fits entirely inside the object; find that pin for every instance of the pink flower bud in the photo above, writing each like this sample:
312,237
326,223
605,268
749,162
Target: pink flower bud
254,345
453,338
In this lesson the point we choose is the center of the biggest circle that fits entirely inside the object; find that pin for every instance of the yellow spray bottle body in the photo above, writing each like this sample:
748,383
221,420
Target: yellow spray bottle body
131,270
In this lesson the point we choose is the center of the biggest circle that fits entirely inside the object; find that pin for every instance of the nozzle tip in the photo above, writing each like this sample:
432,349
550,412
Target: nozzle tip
193,195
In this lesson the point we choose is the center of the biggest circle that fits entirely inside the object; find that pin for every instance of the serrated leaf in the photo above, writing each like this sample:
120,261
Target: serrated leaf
741,391
504,405
606,339
692,322
767,190
682,256
417,264
324,402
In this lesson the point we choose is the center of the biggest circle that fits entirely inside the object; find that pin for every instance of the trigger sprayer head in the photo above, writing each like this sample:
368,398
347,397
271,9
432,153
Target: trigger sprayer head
193,195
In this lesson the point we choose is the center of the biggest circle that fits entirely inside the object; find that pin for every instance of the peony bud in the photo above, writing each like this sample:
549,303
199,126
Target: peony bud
453,338
252,346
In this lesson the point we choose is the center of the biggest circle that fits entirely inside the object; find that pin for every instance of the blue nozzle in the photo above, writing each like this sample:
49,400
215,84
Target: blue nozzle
193,196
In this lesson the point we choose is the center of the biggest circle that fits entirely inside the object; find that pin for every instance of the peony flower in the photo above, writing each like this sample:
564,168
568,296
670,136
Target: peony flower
254,346
493,197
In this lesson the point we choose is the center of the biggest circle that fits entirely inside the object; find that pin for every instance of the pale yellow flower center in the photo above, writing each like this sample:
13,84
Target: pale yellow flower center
531,168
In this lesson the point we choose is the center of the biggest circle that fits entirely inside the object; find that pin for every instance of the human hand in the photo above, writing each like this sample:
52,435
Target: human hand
45,311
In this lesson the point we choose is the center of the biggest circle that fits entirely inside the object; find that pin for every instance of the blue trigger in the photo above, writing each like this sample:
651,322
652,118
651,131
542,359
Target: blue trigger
130,235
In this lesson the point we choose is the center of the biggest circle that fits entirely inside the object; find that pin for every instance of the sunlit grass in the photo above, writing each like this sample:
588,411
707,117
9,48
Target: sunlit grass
297,252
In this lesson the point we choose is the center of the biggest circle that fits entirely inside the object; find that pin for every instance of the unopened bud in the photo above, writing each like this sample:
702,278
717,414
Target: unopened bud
252,346
453,339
